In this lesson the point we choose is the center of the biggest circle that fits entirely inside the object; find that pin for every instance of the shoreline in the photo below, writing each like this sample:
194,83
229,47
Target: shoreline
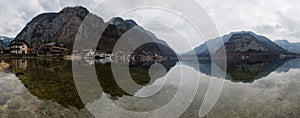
27,57
3,65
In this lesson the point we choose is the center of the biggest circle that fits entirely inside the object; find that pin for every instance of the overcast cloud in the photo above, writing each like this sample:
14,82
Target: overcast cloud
277,19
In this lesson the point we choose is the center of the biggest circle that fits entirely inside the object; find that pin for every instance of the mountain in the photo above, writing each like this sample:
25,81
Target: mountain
116,29
62,28
241,46
291,47
54,27
2,45
5,40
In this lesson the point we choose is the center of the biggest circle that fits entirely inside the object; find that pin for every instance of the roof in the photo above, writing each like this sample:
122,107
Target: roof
18,42
50,44
54,44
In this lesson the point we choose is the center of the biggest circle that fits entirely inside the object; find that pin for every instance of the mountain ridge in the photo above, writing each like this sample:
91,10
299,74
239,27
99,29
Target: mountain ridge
58,27
62,28
239,46
291,47
5,41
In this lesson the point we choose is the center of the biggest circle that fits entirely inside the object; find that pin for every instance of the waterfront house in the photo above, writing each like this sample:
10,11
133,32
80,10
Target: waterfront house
88,53
19,47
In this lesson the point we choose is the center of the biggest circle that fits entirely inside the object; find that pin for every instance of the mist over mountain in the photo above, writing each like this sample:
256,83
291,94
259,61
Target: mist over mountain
291,47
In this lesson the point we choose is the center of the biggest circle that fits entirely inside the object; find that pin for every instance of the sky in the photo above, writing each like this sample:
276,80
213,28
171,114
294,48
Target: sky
275,19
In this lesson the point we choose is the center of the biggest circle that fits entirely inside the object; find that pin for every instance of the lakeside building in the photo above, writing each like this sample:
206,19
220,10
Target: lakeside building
19,47
53,49
87,53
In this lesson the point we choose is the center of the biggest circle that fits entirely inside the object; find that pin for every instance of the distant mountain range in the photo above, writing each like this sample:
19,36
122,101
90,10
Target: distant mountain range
291,47
241,46
5,41
62,28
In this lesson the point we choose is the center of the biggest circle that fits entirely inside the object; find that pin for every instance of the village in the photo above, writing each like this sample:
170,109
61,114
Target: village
21,49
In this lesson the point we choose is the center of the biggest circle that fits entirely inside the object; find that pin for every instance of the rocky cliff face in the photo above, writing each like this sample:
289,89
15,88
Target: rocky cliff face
247,46
242,46
244,43
62,28
117,27
54,27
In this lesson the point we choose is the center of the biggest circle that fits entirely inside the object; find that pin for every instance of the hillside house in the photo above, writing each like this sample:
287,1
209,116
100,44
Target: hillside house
19,47
53,49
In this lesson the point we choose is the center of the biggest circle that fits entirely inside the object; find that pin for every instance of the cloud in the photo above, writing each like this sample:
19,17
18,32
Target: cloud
55,5
275,19
15,14
286,27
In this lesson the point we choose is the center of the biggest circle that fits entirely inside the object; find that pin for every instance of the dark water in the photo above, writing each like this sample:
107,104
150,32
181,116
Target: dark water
48,88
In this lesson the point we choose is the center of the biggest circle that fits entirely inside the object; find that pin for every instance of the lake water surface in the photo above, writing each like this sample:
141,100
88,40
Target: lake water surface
46,88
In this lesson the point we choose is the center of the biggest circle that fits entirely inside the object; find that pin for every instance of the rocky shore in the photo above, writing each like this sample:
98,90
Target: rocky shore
3,65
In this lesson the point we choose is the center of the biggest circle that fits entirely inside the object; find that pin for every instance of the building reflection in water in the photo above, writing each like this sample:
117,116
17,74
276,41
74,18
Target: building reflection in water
52,79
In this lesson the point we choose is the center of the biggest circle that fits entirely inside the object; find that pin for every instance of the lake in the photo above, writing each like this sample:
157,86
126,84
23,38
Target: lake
52,88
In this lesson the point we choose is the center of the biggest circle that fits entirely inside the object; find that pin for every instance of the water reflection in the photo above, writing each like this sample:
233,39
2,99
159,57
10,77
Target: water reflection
49,79
270,90
251,86
17,102
290,64
249,72
52,79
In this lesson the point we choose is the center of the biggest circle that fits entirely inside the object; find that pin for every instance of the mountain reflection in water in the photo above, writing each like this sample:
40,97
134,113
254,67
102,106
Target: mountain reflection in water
52,80
249,72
